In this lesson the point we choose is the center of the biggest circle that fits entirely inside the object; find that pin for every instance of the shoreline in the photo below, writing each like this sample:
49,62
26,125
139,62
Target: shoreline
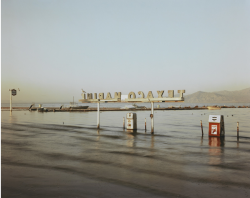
53,109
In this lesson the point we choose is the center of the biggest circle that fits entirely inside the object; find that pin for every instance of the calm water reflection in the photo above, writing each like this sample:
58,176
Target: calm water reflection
216,150
44,150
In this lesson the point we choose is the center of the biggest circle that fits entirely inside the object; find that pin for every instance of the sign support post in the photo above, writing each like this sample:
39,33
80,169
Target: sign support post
131,97
98,115
10,100
152,117
12,93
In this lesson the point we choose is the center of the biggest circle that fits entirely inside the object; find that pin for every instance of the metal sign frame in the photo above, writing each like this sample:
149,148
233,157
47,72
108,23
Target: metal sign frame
92,98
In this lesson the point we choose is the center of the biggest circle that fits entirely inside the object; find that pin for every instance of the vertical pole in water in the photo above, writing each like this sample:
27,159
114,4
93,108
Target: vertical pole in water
237,129
152,117
10,100
201,128
98,115
145,125
123,122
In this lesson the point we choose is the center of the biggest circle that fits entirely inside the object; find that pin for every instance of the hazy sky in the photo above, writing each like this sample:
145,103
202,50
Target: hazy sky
51,49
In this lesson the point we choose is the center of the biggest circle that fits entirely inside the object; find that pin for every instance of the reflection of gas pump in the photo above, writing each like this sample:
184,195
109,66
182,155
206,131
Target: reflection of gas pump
216,141
131,139
216,150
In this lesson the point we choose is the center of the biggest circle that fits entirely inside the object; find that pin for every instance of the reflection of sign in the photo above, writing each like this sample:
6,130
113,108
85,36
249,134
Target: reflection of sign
214,129
13,92
93,97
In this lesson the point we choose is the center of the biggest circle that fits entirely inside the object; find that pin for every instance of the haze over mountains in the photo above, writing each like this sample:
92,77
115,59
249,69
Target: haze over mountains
219,96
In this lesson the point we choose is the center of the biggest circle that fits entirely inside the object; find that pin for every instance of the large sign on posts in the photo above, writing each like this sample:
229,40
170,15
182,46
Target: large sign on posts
94,98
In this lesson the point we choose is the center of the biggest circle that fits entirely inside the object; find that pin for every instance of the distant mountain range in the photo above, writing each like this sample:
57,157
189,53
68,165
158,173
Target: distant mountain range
219,96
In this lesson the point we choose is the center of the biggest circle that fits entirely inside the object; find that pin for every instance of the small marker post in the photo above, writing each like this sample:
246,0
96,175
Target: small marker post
237,129
201,128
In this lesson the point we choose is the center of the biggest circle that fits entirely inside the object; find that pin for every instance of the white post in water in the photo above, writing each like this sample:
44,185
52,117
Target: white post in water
152,117
98,115
10,100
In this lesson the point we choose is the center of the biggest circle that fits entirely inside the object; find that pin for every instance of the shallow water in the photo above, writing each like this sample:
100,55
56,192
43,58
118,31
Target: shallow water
63,154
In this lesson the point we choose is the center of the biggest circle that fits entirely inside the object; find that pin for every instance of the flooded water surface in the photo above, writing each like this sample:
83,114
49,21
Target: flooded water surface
62,154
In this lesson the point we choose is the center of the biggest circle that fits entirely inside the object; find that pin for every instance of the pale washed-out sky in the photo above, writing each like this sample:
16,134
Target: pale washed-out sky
51,49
